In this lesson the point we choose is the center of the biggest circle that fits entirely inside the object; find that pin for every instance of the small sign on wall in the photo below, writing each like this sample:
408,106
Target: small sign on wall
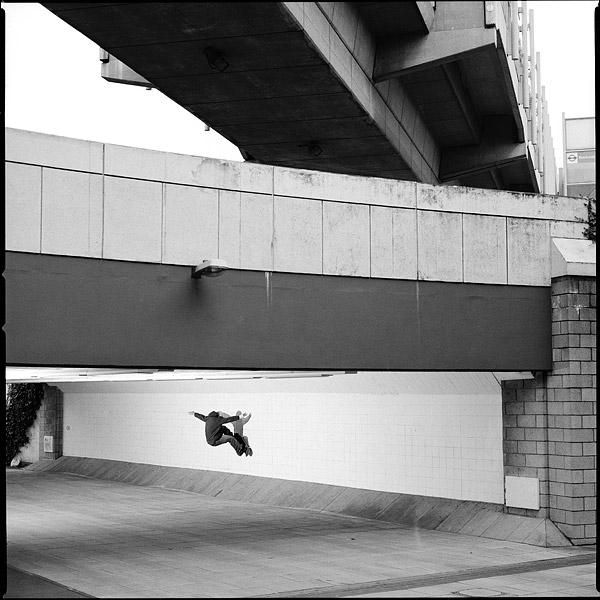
522,492
48,443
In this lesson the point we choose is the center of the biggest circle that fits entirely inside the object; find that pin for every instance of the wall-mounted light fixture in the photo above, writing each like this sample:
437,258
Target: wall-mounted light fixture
209,268
215,59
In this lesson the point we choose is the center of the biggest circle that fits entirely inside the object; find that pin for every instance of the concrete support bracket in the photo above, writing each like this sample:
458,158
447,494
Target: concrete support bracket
398,56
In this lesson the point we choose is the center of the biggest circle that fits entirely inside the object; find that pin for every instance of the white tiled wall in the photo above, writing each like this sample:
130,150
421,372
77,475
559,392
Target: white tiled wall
437,434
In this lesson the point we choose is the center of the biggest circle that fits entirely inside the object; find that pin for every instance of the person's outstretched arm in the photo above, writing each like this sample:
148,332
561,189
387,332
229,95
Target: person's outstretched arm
231,419
197,415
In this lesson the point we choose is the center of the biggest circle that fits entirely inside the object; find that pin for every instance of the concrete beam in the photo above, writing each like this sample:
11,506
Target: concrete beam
458,162
573,257
427,14
398,56
115,71
498,147
55,305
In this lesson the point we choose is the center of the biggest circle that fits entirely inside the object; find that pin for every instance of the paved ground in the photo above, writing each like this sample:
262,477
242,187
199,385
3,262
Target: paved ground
70,536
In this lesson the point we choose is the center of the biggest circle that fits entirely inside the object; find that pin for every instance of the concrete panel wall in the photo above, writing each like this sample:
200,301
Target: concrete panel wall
528,243
72,213
393,243
149,206
132,219
190,228
23,207
256,226
54,151
436,434
485,249
298,236
346,239
230,215
439,246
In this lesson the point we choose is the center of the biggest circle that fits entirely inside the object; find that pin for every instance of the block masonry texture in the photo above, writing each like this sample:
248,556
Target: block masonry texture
564,457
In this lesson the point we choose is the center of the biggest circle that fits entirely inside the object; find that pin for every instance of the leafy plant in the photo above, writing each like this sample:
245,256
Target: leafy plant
23,400
590,231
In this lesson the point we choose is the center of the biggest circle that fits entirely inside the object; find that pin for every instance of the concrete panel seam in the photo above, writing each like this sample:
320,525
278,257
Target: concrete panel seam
41,206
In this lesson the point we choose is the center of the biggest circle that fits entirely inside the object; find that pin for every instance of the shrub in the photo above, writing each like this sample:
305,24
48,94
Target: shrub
23,400
590,231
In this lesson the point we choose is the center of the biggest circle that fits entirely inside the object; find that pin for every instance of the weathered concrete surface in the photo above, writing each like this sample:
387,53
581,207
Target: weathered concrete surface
470,518
164,208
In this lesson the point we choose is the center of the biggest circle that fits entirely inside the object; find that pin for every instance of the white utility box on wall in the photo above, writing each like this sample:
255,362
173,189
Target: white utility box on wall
48,443
522,492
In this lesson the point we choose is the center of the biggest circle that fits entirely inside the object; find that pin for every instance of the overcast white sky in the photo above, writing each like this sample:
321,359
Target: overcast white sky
53,83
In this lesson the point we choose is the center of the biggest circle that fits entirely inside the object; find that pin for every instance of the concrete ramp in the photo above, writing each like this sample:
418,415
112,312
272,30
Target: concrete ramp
420,512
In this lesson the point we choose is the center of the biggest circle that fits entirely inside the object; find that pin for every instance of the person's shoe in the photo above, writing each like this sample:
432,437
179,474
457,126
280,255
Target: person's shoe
248,450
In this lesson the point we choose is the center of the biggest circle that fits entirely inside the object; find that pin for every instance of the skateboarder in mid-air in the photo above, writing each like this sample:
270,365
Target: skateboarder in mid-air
217,433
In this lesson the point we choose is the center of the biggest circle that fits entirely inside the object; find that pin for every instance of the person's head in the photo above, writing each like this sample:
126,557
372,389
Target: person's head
214,413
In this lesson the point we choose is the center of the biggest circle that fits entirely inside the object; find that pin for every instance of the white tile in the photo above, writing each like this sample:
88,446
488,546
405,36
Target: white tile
417,469
132,220
71,213
190,224
23,207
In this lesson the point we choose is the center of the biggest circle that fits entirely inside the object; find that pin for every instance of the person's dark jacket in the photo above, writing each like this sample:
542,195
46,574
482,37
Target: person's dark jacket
214,425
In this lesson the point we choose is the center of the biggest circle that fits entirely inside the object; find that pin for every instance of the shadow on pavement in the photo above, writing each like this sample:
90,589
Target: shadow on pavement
25,585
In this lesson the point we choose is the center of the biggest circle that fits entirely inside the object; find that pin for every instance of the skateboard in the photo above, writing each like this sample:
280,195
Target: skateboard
238,428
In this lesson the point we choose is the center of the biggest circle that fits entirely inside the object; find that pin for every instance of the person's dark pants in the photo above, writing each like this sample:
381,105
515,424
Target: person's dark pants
235,439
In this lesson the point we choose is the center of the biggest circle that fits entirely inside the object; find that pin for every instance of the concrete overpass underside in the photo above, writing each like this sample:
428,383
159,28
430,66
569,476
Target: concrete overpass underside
385,89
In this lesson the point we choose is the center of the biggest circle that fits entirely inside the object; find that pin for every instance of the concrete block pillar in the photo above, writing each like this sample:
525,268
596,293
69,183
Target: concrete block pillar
571,390
549,421
50,418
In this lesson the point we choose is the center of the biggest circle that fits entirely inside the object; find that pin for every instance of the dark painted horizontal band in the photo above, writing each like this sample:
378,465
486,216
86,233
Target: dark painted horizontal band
70,311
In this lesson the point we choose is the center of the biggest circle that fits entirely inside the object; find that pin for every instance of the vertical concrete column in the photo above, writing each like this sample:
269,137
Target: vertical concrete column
525,446
549,421
50,417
